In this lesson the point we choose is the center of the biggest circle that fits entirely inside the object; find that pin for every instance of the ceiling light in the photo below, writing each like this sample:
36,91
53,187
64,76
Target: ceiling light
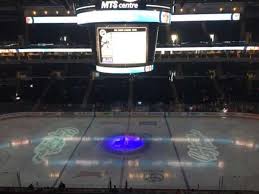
174,38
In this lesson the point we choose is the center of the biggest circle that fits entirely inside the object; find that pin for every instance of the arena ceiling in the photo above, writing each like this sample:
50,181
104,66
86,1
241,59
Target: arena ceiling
68,3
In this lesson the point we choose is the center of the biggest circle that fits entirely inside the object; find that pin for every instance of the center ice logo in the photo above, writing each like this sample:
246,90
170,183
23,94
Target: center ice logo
201,147
53,144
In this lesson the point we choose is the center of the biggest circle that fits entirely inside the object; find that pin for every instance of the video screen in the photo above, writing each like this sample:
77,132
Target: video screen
125,70
122,45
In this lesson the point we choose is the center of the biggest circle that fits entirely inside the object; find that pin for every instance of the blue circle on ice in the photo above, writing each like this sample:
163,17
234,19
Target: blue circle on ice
124,144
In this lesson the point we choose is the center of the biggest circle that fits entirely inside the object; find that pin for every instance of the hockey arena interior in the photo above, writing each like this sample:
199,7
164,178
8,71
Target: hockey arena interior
129,96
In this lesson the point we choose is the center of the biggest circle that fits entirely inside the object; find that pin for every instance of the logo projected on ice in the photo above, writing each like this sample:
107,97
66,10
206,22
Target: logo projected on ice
154,176
201,147
53,144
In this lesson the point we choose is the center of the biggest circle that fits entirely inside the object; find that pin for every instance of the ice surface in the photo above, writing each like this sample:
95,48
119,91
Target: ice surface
209,153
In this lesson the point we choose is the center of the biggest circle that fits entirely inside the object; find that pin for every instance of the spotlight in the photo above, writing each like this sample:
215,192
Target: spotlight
172,75
212,37
221,9
174,38
34,13
46,12
225,110
57,12
17,97
221,164
31,86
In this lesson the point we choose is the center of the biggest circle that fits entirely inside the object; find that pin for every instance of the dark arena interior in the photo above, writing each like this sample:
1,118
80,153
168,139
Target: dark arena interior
129,96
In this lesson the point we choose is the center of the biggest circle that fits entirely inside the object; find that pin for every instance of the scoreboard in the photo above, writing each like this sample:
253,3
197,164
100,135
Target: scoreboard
125,48
120,45
125,32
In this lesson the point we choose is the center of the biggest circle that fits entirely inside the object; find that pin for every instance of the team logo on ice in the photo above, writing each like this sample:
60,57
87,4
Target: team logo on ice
201,147
53,144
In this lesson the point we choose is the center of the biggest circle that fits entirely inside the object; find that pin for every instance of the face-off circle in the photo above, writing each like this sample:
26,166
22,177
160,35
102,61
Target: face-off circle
124,144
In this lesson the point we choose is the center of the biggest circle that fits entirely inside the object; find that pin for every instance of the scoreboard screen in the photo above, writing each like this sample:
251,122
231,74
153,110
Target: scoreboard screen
119,46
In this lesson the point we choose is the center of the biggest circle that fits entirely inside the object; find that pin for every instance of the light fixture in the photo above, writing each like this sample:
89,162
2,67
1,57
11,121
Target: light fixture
34,12
225,110
46,12
212,48
205,17
220,164
212,37
54,50
17,97
57,12
181,10
174,38
172,75
68,12
234,8
126,15
221,9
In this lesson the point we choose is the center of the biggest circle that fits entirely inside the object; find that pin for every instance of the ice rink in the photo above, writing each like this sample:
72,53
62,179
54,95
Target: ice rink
179,152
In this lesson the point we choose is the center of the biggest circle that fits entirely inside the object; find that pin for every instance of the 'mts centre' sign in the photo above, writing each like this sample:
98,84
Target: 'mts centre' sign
120,4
